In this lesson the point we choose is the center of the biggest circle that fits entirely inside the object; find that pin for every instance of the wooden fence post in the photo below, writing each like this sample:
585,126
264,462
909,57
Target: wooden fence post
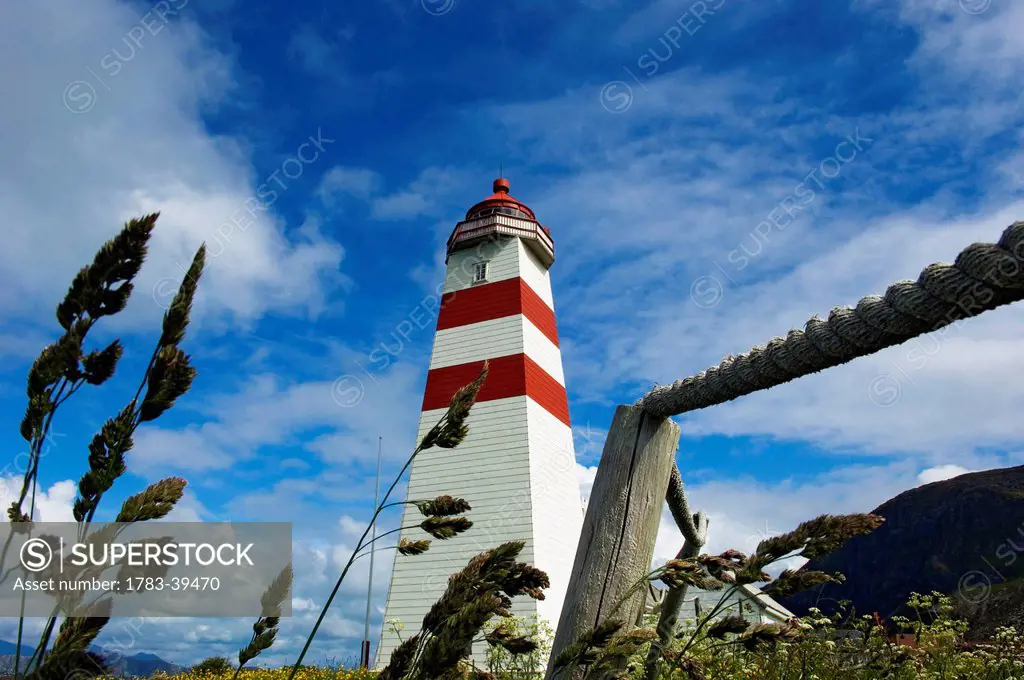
621,525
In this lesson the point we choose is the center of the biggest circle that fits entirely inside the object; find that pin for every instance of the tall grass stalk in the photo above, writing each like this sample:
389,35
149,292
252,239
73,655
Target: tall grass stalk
448,432
264,631
101,289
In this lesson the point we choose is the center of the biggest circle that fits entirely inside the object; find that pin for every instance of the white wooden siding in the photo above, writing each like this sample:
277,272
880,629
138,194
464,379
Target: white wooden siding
535,274
490,469
517,470
478,341
556,505
507,258
502,256
546,353
497,338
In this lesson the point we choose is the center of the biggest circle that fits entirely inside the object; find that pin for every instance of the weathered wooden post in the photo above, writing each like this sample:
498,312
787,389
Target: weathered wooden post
621,525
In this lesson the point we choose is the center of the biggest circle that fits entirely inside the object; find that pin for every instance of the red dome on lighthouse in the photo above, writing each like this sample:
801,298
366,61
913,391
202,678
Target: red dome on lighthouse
502,203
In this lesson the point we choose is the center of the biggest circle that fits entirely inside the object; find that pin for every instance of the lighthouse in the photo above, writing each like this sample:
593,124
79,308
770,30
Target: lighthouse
517,467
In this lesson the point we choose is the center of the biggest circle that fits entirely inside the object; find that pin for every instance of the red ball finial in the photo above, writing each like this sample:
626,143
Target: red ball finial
501,186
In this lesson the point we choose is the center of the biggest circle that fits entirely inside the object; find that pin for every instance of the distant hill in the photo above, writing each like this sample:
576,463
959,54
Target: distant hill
136,665
140,665
962,536
10,648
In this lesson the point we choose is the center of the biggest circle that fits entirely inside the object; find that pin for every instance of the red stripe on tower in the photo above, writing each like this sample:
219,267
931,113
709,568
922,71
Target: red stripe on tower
495,301
515,375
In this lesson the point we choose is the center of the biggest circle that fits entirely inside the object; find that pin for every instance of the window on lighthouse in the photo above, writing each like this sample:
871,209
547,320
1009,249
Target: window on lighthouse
479,272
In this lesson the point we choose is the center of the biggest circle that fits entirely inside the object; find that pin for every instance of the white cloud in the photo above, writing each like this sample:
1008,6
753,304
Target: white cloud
203,633
658,167
982,50
941,473
188,509
194,449
269,409
134,142
357,182
585,477
51,505
400,206
301,604
953,385
426,195
351,528
22,345
316,52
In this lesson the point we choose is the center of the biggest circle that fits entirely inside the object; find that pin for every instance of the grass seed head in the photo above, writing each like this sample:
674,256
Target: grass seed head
443,506
445,527
407,547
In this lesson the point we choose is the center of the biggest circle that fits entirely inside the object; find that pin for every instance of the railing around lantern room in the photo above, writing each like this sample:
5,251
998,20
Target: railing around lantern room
535,235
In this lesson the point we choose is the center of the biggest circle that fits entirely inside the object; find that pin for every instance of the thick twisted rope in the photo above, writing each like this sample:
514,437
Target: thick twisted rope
680,507
983,277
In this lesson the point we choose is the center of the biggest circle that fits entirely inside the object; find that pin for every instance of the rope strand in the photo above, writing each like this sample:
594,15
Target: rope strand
983,277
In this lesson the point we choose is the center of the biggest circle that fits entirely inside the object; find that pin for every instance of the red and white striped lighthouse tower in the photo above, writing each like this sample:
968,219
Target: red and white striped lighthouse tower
517,467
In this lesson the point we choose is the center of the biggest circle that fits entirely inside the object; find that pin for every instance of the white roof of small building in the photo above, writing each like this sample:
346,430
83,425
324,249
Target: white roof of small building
748,593
768,602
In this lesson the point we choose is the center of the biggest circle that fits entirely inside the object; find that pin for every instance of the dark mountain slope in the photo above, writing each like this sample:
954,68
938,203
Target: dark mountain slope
963,536
136,665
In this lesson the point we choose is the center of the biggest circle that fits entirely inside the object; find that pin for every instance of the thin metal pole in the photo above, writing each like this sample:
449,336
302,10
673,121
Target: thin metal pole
373,549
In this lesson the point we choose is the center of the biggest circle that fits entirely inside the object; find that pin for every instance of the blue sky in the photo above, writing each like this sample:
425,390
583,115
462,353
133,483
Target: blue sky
660,142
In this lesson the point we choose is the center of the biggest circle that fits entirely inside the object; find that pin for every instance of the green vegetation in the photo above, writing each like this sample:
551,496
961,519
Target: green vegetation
849,647
213,665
